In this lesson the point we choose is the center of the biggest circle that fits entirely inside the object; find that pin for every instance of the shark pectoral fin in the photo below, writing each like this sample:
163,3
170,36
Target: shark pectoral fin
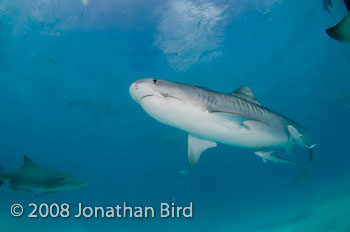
1,182
195,148
264,160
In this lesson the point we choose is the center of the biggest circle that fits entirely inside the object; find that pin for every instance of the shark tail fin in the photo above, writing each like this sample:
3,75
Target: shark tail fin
310,148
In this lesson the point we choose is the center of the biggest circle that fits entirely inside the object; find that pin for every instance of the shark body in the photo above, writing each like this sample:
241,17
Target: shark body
208,117
33,178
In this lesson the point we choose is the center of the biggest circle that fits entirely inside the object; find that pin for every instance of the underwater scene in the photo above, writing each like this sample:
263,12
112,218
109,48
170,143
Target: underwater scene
174,115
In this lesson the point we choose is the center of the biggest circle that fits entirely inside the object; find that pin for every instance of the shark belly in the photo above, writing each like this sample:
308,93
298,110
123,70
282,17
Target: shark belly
213,126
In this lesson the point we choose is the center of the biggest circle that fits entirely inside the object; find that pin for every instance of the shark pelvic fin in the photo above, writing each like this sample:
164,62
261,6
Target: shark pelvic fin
195,148
298,138
246,93
28,162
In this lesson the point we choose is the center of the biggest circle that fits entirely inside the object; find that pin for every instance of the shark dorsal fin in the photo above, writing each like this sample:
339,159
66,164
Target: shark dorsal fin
28,162
246,93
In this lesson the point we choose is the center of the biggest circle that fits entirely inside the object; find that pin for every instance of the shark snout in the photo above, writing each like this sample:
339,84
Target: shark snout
143,88
133,91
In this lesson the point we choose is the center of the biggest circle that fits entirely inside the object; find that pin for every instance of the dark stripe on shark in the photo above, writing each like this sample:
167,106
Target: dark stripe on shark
242,115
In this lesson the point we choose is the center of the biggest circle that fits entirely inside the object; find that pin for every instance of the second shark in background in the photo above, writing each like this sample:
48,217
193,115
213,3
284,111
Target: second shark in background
36,179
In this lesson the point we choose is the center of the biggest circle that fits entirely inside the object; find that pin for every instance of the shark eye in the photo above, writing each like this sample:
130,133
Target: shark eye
154,81
61,178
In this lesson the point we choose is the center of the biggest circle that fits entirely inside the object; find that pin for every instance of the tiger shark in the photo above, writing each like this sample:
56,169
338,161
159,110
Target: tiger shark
36,179
235,119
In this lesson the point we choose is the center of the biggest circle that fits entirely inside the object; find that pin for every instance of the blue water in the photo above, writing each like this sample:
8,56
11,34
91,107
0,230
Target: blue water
65,71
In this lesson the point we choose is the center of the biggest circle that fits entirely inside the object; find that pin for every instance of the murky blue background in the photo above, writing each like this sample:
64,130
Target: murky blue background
65,70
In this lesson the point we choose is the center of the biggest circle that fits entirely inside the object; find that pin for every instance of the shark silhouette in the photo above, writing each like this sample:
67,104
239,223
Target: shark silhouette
33,178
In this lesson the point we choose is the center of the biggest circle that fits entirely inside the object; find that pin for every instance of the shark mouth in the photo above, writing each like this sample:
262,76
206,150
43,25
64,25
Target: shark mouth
149,95
164,95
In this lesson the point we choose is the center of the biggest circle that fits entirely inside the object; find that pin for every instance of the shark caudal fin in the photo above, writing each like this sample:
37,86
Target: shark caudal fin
311,152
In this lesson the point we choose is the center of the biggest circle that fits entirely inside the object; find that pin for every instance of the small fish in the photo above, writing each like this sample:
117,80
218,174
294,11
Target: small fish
36,179
268,155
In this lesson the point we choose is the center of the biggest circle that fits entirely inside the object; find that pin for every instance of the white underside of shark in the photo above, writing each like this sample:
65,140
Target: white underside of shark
213,126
